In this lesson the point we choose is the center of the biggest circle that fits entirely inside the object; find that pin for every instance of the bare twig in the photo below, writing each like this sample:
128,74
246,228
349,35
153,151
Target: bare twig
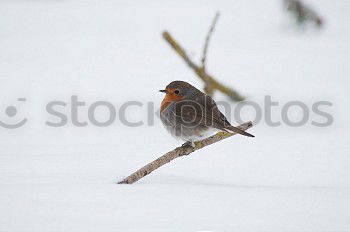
208,88
207,39
178,152
202,74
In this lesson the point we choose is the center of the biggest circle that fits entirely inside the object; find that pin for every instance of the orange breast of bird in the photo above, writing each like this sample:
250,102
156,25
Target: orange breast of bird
169,98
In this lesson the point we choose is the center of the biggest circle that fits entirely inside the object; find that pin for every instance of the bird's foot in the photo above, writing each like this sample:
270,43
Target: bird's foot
188,143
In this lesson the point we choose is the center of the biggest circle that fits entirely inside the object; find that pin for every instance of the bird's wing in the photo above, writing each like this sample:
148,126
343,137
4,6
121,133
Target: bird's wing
219,120
189,113
203,111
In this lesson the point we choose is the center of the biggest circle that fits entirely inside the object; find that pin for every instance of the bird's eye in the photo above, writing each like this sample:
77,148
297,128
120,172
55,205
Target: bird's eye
177,91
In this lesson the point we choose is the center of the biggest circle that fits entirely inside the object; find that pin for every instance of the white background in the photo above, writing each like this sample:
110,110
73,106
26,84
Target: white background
63,179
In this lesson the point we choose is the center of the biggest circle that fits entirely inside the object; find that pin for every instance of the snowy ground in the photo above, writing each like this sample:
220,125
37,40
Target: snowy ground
63,179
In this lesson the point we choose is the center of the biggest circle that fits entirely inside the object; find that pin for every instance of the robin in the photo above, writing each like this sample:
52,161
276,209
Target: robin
191,115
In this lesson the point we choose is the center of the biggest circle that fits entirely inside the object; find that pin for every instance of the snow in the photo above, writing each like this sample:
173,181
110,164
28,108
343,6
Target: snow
64,179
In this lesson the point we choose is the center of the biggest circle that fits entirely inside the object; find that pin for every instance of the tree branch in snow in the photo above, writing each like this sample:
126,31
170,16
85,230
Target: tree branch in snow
210,83
207,39
185,149
302,12
208,87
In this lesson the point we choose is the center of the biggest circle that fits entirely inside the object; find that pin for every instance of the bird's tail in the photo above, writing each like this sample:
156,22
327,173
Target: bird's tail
233,129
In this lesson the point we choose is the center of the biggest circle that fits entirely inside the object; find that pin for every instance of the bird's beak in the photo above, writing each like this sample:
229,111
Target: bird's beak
163,91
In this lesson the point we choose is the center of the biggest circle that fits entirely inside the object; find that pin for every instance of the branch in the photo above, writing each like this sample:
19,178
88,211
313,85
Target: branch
178,152
302,12
208,88
200,72
207,39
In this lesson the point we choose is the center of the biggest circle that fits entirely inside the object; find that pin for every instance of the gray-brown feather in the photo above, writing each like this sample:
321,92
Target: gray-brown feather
195,115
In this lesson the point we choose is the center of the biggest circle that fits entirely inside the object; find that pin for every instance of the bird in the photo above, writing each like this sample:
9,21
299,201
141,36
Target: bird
191,115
